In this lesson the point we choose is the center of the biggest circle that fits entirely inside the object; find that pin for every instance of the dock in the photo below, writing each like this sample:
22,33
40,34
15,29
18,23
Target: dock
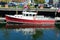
33,9
2,20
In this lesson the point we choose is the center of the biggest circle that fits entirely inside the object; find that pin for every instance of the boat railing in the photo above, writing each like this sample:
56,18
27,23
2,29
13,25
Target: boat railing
43,18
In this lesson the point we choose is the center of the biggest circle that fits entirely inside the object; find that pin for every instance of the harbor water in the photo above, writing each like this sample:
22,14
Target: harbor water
14,32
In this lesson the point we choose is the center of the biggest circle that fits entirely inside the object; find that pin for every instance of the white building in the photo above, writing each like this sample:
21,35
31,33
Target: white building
55,1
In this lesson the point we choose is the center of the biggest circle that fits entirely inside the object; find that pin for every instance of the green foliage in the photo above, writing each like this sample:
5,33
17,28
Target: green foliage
2,25
57,26
39,1
37,34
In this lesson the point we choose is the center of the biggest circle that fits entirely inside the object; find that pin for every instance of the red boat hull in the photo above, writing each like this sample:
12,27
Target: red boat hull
11,19
35,23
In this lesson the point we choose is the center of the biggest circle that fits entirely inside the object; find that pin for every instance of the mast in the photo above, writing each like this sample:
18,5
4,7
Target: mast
37,9
16,10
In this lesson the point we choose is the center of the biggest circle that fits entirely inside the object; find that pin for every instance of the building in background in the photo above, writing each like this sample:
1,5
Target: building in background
55,1
59,0
50,2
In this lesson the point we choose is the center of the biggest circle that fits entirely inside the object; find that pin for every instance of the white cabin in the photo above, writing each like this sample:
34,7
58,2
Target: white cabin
33,16
29,15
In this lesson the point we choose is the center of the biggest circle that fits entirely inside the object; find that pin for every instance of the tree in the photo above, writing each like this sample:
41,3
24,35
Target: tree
6,1
39,1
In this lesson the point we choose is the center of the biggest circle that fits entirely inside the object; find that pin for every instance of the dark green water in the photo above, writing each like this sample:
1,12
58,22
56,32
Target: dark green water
12,33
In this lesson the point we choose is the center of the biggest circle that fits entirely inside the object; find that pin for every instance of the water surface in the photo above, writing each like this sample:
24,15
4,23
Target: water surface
11,33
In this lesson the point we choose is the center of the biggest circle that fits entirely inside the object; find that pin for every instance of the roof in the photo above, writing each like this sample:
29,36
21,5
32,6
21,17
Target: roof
29,12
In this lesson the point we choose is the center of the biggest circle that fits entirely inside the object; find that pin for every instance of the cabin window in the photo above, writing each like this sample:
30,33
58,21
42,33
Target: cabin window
30,15
33,14
26,14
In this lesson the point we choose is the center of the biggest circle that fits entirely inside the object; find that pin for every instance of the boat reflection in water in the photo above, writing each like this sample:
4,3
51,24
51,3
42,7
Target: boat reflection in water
18,32
29,26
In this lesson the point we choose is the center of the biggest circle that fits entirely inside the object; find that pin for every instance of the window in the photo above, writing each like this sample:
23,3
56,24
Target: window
33,14
30,15
26,14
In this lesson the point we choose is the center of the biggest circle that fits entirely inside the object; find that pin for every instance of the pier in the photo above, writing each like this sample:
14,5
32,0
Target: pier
33,9
2,20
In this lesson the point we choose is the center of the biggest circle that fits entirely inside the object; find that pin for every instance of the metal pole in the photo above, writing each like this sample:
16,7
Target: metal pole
56,10
16,10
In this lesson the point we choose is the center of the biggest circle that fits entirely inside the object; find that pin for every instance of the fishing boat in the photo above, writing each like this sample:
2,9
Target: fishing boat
30,18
